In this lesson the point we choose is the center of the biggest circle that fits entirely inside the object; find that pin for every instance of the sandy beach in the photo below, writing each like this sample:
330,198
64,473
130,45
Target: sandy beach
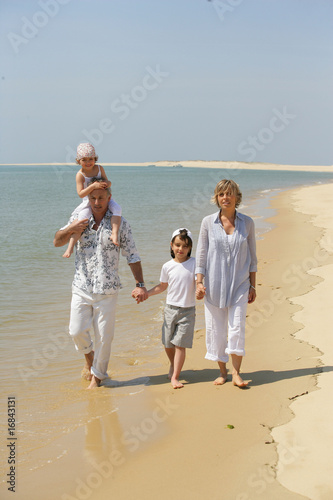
212,442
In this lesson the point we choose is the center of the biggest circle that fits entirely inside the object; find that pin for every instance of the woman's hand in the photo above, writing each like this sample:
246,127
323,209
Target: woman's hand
200,291
252,295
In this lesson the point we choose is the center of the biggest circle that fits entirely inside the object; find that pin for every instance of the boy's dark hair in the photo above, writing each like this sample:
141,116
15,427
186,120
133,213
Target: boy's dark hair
184,237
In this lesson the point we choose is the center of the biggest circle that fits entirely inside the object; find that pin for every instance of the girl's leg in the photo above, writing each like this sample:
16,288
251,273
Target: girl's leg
179,359
170,352
115,224
71,245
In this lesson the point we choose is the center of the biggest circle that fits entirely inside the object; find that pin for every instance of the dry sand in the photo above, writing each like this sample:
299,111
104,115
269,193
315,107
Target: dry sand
163,443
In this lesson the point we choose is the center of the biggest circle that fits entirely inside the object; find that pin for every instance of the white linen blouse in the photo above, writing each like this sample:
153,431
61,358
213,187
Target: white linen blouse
225,262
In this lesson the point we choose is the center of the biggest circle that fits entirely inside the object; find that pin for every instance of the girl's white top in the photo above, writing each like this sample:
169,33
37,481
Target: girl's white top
181,282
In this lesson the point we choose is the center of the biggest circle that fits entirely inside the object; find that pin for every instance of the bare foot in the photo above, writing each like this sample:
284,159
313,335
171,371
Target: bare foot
67,254
176,384
95,382
238,381
220,380
170,372
86,373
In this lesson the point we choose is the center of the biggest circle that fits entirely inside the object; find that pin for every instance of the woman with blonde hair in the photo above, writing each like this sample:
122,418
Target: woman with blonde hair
226,266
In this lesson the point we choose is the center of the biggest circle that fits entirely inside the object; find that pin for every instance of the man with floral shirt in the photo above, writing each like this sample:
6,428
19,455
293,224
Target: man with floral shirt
96,281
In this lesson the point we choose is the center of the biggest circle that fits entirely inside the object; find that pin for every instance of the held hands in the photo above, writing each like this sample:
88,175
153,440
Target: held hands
200,291
140,294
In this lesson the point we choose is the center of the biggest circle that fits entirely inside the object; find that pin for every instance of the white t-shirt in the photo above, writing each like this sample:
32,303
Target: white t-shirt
181,282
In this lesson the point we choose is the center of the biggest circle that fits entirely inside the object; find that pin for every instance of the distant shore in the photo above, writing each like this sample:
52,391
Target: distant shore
230,165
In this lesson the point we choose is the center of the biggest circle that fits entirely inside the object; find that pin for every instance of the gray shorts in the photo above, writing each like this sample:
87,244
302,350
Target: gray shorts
178,326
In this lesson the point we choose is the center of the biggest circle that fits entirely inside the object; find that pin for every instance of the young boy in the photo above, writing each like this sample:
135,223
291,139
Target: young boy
179,314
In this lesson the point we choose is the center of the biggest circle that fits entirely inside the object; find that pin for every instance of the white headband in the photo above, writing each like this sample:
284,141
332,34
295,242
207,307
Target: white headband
175,233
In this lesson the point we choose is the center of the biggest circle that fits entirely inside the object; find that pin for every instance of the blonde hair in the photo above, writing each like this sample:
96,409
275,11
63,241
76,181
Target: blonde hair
222,187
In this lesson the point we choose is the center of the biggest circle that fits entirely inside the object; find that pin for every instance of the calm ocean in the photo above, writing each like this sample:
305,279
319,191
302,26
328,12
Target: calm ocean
39,365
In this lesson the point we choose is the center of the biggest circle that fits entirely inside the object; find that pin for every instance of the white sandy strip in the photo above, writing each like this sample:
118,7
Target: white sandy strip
308,469
227,165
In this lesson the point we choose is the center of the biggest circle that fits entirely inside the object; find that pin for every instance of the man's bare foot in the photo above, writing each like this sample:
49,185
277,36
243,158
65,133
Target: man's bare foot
95,382
67,254
176,384
238,381
114,240
221,380
86,371
170,372
86,374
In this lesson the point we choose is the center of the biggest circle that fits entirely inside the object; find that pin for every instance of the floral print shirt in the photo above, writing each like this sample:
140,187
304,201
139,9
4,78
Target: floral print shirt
97,258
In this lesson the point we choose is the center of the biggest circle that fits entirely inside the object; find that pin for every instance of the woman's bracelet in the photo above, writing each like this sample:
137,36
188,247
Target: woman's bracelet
251,286
199,283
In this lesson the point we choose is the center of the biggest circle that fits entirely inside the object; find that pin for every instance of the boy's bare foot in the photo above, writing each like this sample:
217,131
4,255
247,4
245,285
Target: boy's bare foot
67,254
238,381
176,384
221,380
95,382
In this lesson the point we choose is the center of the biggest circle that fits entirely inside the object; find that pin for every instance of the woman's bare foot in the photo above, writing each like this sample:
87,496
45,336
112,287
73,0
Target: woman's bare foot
95,382
67,254
176,384
238,381
221,380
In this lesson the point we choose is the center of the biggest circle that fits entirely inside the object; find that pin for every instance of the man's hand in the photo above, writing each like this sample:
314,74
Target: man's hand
78,226
140,294
63,235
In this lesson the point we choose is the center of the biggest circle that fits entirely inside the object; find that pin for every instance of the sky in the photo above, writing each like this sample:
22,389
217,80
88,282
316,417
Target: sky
152,80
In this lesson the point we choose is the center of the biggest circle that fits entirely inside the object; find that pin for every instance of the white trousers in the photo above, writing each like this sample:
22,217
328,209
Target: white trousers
225,330
97,311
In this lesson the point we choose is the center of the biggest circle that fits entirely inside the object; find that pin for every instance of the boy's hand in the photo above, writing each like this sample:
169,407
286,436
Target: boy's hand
200,291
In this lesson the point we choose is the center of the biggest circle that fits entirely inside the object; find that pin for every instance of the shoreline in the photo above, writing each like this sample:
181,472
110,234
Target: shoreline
142,435
228,165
